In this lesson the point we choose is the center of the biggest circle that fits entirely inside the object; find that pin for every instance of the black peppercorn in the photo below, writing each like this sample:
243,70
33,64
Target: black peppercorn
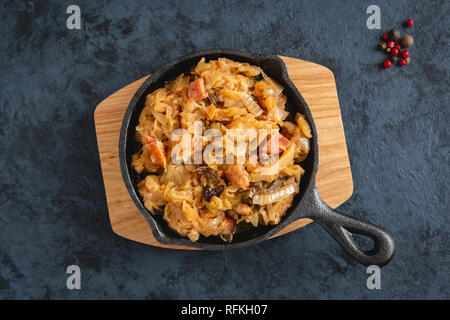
394,59
394,35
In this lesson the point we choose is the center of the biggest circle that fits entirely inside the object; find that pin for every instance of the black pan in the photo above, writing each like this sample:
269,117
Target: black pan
306,204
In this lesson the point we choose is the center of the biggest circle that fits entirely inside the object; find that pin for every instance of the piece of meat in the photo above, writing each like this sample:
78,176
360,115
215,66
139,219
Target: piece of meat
237,175
197,90
229,226
156,150
283,143
228,230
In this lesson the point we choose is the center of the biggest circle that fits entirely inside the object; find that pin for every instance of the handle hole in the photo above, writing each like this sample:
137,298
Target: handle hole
364,243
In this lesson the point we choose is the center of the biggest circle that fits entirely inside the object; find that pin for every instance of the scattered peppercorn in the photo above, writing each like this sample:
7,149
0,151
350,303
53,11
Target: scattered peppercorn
407,41
388,50
387,63
409,23
383,46
402,62
394,35
405,53
408,60
391,44
385,36
394,51
397,46
394,59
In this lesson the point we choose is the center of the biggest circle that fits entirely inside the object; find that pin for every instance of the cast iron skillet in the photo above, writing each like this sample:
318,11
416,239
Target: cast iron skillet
306,204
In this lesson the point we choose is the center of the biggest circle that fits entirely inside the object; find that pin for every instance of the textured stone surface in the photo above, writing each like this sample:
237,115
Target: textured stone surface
52,204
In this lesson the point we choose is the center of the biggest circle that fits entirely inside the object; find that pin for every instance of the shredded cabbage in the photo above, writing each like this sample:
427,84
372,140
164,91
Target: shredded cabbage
275,196
216,199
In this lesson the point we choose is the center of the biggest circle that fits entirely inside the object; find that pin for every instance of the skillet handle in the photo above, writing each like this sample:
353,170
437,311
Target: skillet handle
339,226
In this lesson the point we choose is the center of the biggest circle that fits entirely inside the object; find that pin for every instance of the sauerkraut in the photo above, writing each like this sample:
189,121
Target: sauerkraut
213,196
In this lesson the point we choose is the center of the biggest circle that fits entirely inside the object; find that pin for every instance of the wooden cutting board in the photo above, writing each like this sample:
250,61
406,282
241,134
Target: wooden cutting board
334,179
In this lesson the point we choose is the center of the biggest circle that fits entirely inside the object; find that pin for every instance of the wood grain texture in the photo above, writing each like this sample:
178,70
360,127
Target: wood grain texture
334,179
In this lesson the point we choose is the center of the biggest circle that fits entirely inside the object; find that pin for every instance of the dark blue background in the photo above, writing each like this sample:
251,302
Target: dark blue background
52,205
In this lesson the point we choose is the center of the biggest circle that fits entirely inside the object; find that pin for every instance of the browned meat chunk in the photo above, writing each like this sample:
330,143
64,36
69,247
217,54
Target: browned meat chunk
197,90
156,150
237,176
283,143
